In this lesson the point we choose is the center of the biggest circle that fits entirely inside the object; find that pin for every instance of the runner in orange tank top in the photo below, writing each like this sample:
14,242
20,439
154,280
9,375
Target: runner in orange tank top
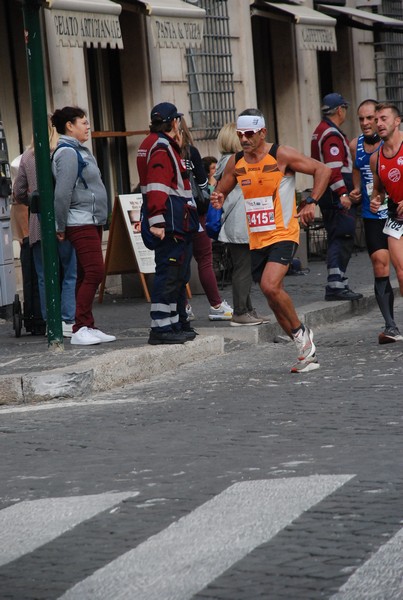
263,183
266,175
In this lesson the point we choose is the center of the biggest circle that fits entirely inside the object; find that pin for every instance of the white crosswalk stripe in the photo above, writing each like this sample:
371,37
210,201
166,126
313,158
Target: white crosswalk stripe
184,558
381,577
27,525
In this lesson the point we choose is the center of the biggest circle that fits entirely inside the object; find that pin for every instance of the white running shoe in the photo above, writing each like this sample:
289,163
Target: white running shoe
223,313
84,337
101,336
304,342
189,313
390,335
307,364
67,329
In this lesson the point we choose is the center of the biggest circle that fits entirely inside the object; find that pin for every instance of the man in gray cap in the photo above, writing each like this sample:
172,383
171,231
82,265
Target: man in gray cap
169,221
331,146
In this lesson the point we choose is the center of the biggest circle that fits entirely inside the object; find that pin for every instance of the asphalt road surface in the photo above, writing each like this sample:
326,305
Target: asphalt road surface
229,479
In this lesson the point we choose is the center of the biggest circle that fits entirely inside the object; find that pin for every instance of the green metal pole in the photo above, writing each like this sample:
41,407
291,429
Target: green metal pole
33,40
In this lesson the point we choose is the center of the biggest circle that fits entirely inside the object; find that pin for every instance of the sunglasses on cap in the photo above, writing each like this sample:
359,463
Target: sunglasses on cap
248,133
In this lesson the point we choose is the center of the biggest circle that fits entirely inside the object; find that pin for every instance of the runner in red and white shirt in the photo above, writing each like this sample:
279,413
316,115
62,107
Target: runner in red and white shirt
387,169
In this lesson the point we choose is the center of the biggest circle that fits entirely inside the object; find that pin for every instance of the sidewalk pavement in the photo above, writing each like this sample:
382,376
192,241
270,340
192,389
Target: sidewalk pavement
30,372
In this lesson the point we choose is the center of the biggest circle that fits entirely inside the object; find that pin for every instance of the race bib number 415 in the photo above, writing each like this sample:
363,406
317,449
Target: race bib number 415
260,214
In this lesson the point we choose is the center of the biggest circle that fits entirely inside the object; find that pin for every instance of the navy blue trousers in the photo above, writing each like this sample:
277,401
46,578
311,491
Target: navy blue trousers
172,273
340,228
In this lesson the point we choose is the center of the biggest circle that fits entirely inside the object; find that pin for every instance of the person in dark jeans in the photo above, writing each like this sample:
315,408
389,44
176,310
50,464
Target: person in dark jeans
25,191
219,309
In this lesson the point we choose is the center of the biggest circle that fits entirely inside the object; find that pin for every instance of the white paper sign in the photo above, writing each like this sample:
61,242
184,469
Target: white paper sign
131,205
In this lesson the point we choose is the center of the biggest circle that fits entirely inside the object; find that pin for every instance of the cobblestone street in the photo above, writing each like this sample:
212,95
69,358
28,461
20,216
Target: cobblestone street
211,443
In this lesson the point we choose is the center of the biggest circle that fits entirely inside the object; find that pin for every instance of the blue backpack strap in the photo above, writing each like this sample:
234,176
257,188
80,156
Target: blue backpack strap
81,162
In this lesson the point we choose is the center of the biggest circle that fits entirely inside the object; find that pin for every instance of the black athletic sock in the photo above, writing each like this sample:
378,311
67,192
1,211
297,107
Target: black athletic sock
385,297
295,331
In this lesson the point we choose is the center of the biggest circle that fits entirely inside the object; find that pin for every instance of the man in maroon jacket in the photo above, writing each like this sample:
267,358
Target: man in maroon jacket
169,221
331,146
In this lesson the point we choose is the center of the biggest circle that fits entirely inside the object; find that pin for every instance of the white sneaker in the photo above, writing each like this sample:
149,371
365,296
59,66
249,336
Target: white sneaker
189,313
223,313
305,345
307,364
67,329
101,336
390,335
84,337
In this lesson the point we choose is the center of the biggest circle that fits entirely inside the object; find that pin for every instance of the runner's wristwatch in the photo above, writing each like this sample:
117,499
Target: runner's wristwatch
310,200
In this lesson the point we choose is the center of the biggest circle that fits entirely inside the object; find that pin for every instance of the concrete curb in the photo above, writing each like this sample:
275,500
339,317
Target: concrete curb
320,313
129,365
315,314
104,372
